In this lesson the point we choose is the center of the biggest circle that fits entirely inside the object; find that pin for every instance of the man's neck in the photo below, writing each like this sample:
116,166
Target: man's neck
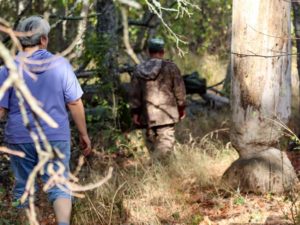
30,50
157,56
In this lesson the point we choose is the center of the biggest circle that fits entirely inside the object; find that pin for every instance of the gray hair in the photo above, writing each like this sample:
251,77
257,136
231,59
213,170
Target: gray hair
38,27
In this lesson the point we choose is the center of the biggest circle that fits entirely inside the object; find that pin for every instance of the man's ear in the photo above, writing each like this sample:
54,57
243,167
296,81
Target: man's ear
44,41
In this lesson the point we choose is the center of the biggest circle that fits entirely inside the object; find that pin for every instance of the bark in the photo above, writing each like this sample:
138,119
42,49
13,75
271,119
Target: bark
56,35
296,22
107,32
261,95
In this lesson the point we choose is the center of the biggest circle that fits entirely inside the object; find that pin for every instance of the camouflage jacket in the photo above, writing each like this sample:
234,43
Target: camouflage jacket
157,90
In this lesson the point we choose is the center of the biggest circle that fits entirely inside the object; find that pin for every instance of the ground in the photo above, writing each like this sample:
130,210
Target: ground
187,190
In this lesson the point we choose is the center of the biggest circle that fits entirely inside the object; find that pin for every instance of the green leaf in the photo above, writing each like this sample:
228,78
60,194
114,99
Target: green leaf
16,203
240,200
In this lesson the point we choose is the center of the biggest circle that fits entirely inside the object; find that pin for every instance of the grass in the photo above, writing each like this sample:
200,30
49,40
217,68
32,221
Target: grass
154,194
186,191
210,67
159,194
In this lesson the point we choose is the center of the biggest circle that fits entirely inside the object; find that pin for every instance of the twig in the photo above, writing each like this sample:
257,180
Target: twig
19,84
113,201
12,152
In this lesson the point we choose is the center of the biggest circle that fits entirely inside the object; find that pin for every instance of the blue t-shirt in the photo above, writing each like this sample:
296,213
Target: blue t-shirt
55,86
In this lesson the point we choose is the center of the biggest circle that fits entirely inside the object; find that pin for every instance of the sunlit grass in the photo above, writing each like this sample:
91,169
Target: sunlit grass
153,194
210,67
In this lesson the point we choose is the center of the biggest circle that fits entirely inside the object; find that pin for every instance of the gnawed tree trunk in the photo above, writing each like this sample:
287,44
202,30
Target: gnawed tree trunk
261,95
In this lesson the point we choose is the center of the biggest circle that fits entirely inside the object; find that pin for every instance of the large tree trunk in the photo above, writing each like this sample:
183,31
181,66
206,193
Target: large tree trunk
107,28
261,95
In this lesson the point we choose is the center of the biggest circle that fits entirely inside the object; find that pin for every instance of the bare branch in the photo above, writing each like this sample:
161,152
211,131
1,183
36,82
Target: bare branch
126,41
19,84
131,3
12,152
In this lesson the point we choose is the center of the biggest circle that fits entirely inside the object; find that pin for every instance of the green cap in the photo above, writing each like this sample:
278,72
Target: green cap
156,45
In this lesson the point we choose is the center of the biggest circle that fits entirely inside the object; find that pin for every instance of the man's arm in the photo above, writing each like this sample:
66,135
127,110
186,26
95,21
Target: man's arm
77,112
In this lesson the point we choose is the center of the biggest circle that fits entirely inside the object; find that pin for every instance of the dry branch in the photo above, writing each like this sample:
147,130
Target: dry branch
81,28
19,84
12,152
128,47
131,3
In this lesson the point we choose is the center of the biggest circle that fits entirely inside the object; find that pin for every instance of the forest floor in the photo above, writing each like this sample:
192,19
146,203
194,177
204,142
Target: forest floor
185,191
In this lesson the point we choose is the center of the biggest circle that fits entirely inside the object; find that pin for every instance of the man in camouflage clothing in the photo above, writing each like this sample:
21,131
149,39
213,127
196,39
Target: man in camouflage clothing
157,99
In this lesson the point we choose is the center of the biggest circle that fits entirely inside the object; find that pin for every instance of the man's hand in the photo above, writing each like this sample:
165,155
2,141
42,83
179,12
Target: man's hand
136,119
181,111
85,144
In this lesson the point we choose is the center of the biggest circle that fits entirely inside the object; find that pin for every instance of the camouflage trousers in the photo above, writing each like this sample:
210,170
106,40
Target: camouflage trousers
160,141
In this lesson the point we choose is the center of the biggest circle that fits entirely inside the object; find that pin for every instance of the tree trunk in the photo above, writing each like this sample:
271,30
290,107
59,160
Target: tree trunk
261,95
107,27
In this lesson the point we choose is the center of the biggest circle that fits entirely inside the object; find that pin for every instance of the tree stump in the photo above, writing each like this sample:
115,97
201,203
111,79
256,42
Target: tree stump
266,171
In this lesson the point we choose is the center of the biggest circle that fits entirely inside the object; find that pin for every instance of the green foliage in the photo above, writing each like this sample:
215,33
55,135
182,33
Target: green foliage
206,30
176,215
239,200
197,219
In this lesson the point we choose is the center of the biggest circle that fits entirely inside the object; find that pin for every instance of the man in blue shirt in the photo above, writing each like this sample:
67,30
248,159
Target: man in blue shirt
56,88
